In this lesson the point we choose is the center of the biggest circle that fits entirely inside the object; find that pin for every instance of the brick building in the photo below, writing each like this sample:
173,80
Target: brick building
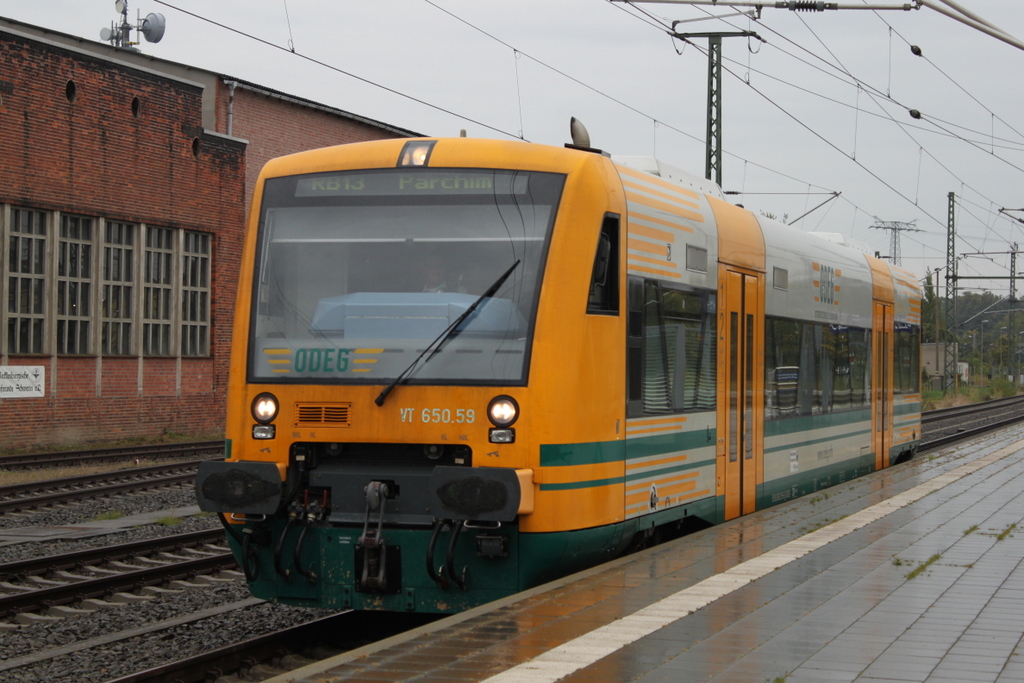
124,188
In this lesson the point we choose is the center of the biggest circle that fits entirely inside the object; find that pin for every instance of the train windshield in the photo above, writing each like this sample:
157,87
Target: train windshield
359,271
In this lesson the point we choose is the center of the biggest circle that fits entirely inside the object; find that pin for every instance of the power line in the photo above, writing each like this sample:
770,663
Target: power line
655,120
338,70
1012,146
649,20
868,88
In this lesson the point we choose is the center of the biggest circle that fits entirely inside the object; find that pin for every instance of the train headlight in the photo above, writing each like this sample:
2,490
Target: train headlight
497,435
416,153
503,411
263,431
264,408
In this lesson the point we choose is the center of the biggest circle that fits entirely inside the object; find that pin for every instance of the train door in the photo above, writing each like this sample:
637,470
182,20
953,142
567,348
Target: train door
881,383
741,388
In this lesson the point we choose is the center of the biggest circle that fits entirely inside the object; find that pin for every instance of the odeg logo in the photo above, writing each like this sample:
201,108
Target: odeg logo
827,285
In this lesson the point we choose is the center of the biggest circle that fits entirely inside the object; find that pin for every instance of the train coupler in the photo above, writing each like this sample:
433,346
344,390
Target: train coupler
373,576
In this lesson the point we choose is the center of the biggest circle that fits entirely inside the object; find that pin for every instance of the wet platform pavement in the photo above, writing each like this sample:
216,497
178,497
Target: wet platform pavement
911,574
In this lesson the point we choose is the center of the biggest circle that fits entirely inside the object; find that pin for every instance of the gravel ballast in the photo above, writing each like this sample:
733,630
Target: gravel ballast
139,652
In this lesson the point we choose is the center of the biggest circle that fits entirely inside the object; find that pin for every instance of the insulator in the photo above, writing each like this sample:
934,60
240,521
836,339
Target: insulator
806,6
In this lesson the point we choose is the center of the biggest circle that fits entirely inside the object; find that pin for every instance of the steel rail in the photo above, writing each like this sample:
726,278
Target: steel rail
339,632
98,478
63,458
946,413
246,653
124,551
941,441
104,586
21,497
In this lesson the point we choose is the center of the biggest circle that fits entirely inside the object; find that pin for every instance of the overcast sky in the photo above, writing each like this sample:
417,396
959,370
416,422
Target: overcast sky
796,126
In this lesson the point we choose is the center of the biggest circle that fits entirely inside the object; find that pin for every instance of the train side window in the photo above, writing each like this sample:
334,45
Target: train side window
671,351
604,281
658,366
814,368
860,366
634,347
906,364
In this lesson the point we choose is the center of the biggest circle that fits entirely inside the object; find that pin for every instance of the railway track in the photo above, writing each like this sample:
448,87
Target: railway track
26,497
41,586
279,652
947,425
191,449
287,648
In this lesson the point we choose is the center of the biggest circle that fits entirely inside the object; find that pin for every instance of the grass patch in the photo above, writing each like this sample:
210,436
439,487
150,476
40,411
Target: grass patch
109,514
967,395
168,520
971,530
1006,532
920,568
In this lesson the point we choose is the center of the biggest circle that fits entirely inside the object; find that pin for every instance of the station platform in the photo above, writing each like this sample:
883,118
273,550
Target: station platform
910,574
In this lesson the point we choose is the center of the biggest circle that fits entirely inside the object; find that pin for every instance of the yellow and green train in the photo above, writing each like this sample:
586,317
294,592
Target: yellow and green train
465,367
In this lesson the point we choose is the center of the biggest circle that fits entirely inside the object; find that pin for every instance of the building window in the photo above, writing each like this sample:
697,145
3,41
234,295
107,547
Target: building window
195,295
79,285
157,292
118,278
74,284
26,282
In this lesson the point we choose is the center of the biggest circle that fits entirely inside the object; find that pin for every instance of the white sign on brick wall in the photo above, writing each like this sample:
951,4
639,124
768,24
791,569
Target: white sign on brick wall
22,381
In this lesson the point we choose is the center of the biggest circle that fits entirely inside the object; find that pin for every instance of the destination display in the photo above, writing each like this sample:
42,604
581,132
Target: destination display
405,183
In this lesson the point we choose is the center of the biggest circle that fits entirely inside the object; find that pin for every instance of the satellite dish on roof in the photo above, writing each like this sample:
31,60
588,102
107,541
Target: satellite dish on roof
153,27
120,34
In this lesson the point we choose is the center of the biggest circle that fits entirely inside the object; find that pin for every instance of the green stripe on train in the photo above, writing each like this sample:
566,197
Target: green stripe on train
801,483
811,442
907,408
601,452
671,469
604,452
789,425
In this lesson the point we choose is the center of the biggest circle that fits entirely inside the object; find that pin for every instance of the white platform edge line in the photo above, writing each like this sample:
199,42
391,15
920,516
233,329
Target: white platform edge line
599,643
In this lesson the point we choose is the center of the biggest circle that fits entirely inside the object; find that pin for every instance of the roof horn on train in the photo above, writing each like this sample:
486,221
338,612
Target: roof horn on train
580,137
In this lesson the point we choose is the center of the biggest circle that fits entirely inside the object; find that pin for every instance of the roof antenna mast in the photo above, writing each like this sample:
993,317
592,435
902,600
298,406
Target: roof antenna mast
120,35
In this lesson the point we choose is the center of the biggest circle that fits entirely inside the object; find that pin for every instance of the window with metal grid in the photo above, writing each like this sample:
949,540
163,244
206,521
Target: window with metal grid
26,281
195,294
118,287
74,284
157,291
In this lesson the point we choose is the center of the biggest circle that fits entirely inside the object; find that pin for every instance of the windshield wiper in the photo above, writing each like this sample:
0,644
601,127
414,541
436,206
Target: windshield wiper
444,336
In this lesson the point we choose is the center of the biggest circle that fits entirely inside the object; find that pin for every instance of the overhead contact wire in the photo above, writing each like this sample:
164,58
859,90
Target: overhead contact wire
361,79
